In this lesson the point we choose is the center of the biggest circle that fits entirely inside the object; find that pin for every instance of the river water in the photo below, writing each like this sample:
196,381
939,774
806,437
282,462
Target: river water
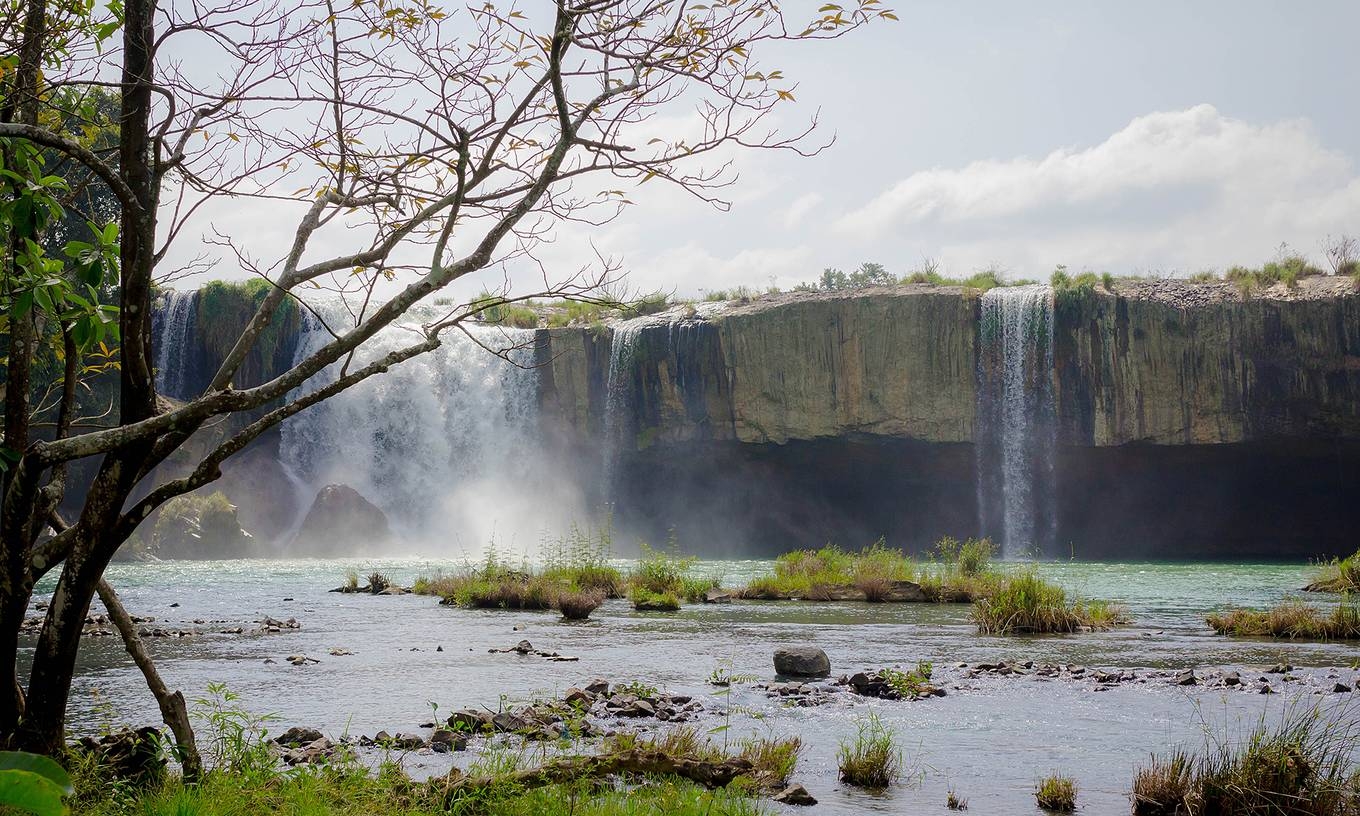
990,739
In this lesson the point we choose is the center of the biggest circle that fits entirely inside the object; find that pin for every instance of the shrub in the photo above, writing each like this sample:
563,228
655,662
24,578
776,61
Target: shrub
1057,794
873,760
1026,604
954,802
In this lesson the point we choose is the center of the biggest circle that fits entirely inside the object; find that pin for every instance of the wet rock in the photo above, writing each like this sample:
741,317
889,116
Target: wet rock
1265,689
716,595
341,653
508,723
469,721
795,795
904,592
1280,668
579,697
135,756
316,751
298,736
639,708
301,660
801,661
597,687
526,648
1186,678
1341,688
444,741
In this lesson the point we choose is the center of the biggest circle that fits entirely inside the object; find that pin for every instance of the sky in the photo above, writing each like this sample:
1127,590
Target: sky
1133,138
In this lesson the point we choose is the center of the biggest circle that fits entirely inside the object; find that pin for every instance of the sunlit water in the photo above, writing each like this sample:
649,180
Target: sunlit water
990,739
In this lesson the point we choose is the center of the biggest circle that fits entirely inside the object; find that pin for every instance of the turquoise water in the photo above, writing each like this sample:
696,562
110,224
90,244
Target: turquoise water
990,738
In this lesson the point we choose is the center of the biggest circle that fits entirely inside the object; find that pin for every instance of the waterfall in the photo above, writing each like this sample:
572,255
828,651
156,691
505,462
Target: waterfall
446,443
618,400
173,334
1016,434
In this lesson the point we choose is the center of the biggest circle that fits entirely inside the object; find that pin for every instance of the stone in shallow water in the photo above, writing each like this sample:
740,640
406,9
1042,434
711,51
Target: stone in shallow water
795,795
801,661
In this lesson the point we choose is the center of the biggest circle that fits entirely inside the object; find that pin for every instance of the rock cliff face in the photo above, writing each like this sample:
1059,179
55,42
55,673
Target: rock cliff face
1165,362
1187,419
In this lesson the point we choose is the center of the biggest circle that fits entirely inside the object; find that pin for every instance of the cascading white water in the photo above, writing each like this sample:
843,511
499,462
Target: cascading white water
447,443
618,395
1017,417
172,332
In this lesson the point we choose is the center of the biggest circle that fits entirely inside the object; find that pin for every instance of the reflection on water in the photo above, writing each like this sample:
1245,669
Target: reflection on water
990,740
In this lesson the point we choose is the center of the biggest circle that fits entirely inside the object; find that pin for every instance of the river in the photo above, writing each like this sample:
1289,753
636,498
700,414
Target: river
990,739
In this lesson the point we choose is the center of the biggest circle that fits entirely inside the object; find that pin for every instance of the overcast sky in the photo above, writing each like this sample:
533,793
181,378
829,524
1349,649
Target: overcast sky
1122,137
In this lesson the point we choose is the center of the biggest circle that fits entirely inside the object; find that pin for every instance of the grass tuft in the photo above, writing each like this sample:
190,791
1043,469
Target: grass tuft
1338,576
1291,620
1024,603
1056,794
873,759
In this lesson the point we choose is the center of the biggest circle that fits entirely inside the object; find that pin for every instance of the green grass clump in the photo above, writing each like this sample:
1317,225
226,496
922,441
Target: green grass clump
1299,766
662,578
1291,620
873,759
645,600
1023,603
1288,268
1056,793
1339,575
913,684
582,559
958,572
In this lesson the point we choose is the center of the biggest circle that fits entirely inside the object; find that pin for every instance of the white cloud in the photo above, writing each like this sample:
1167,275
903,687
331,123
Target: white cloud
1180,189
799,208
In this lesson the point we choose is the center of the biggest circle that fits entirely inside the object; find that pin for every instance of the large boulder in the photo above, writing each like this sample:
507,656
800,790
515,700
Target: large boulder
340,521
801,661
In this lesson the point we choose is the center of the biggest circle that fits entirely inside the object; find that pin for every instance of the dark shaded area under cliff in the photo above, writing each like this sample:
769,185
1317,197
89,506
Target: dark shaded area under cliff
1257,501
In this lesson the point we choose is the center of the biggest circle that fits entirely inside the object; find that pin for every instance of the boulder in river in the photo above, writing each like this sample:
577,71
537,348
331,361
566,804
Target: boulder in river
340,521
801,661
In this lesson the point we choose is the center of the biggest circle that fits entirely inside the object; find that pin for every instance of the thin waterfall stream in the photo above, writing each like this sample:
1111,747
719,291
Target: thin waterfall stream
1016,482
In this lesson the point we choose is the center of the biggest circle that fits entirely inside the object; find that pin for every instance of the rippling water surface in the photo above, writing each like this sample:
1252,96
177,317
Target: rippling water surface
990,738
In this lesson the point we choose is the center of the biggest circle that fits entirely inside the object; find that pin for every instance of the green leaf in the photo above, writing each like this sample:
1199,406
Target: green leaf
31,792
34,763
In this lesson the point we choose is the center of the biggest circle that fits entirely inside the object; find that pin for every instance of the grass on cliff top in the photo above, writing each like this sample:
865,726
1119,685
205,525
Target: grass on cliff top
1339,575
958,571
1024,603
1291,620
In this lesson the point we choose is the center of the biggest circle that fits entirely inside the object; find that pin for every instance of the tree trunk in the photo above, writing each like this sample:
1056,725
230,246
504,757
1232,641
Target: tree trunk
15,588
173,710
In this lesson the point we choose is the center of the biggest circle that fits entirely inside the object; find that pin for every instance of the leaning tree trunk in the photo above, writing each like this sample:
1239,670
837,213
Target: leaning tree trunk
173,710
